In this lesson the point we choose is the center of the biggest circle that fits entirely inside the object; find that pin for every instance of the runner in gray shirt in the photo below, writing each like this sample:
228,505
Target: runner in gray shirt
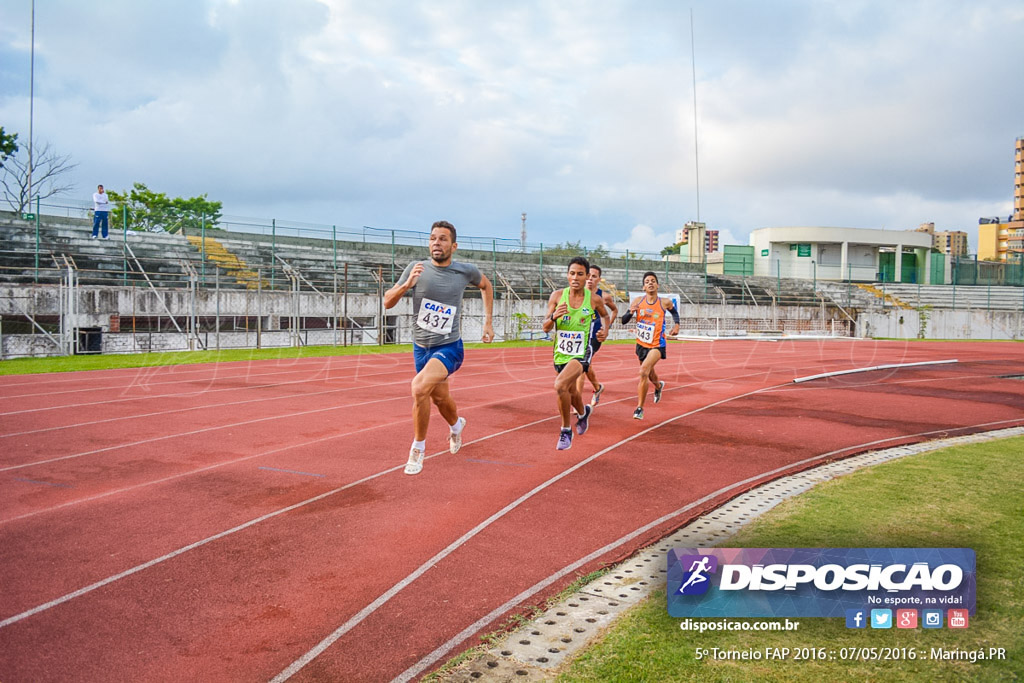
437,286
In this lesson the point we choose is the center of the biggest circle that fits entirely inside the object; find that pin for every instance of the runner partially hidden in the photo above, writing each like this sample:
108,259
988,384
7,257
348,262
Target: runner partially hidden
601,329
571,316
650,311
437,287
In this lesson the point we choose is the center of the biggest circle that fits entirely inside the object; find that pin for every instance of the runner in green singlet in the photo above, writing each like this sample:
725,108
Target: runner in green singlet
569,320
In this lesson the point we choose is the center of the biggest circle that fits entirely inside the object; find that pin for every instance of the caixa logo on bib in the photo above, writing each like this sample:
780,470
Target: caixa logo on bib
816,582
435,307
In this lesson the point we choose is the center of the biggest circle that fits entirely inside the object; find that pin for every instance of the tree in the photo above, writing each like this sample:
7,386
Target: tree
48,167
570,249
8,145
151,211
671,249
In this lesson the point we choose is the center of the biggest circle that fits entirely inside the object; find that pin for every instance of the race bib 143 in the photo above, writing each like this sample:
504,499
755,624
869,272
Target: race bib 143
645,332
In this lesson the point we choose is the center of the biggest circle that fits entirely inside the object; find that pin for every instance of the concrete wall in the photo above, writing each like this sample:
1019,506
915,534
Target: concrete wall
512,319
943,324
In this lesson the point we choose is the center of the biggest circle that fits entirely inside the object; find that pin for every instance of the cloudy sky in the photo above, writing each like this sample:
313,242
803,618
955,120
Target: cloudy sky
396,113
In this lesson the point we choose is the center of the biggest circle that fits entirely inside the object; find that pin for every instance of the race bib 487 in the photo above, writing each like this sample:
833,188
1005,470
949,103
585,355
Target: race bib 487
571,343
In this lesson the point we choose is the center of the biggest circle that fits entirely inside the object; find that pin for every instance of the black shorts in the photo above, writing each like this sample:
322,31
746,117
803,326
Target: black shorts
594,345
584,363
642,351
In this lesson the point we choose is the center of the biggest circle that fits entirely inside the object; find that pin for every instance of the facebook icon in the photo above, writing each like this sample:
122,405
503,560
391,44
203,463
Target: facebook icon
856,618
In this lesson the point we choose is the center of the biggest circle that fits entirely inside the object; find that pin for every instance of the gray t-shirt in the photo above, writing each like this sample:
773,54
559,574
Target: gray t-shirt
437,301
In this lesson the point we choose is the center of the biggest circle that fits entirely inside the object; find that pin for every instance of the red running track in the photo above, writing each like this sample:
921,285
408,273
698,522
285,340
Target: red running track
250,521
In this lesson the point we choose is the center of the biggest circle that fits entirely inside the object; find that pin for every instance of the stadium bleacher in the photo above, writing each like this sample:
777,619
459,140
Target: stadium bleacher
235,259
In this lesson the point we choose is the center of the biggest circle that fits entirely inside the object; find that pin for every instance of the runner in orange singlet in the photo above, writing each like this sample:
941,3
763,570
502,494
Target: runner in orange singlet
650,312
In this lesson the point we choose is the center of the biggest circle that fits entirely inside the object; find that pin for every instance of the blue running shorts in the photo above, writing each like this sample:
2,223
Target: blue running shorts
450,354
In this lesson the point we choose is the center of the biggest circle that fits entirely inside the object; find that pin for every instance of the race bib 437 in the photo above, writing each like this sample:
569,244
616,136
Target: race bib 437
436,317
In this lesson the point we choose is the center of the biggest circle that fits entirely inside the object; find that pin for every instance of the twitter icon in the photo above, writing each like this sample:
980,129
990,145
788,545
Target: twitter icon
881,618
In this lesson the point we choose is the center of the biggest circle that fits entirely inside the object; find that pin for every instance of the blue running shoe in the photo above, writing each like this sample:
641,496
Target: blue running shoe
582,422
565,440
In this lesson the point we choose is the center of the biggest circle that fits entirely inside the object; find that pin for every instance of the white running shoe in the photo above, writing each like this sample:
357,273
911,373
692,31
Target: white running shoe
455,440
415,464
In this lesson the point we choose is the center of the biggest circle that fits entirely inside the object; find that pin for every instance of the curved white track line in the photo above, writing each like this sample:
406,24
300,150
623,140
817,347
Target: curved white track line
890,366
476,626
214,428
360,616
360,387
163,558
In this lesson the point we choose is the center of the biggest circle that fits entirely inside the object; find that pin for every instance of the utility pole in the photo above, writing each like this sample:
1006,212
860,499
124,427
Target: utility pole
522,235
31,101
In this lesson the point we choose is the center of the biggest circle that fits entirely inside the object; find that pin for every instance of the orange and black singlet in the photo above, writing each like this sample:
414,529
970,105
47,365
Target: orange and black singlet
650,324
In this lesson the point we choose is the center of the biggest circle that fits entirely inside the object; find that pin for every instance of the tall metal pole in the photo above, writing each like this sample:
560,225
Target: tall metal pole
345,336
31,101
693,64
216,285
522,234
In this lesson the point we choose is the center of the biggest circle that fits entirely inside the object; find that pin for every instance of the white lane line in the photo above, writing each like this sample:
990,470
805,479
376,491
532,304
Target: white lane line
504,367
181,369
163,558
245,525
304,444
357,387
322,375
955,380
888,366
190,394
383,599
202,369
214,428
481,623
184,395
240,402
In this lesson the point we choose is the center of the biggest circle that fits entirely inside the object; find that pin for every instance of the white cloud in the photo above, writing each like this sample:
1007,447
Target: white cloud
865,114
643,238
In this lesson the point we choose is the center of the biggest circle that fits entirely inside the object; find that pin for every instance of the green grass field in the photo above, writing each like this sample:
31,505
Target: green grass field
967,496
